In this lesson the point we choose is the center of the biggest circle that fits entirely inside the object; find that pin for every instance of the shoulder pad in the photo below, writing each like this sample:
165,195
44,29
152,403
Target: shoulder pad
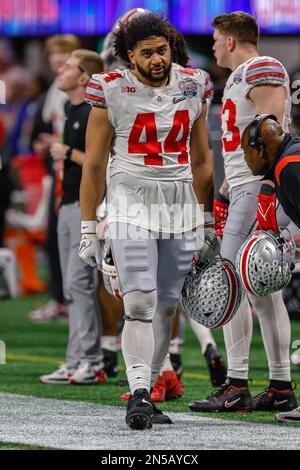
265,71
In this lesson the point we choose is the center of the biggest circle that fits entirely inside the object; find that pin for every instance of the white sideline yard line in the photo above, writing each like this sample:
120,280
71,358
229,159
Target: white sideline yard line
75,425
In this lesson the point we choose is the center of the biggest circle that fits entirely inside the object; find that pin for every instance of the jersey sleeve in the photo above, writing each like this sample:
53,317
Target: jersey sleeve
265,71
289,182
94,93
208,87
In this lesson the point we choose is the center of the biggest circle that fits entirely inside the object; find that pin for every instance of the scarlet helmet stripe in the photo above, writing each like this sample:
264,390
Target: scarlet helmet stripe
230,310
127,17
244,264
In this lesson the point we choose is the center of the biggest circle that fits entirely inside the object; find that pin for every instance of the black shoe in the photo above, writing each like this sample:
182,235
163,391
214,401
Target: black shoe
273,399
176,363
110,360
139,410
216,365
228,398
159,417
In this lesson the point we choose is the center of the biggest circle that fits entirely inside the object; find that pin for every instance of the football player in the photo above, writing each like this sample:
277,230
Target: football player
151,118
257,85
168,383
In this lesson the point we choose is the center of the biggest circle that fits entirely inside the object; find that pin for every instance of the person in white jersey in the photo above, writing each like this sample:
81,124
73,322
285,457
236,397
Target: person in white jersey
151,119
168,384
257,85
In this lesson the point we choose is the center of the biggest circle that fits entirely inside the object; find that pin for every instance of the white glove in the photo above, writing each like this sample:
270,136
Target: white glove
89,245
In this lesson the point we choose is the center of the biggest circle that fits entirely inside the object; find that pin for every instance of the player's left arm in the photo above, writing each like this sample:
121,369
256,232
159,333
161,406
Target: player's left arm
269,99
201,161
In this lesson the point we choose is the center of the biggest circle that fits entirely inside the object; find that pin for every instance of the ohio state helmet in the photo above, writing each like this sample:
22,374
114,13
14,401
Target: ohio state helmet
110,279
212,292
111,61
265,262
105,262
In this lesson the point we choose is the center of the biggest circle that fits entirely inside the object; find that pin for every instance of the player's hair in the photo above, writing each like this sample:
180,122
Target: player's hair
89,61
239,24
64,42
138,29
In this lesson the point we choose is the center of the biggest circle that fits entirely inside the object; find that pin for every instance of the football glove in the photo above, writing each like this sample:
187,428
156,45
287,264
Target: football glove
89,247
266,209
210,247
221,204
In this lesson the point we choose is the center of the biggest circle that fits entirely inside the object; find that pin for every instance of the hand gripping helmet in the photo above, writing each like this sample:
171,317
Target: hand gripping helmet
110,279
106,264
212,292
265,262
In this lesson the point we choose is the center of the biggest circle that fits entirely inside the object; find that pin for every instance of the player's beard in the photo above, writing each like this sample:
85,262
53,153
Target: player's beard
150,77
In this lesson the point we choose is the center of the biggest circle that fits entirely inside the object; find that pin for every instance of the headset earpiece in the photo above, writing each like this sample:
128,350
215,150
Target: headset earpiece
255,140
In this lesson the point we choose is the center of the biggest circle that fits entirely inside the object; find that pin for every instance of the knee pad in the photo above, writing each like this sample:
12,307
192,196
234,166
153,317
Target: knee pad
167,309
140,306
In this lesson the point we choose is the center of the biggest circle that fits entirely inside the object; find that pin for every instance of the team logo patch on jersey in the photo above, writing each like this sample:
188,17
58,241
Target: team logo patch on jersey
128,89
188,88
238,77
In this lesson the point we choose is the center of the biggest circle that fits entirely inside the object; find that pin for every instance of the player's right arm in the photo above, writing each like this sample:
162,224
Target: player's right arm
201,162
99,136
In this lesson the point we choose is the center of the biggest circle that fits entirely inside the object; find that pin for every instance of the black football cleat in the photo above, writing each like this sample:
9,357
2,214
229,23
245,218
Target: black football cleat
273,399
110,360
159,417
139,410
176,363
216,365
227,399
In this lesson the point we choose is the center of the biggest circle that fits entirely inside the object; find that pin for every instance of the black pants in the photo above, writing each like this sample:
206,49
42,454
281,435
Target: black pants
52,251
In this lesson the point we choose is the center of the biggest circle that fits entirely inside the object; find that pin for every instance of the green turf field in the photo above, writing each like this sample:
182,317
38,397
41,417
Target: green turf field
35,349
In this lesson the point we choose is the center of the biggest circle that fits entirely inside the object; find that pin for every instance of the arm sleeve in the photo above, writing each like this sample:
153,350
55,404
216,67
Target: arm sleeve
290,183
265,71
94,93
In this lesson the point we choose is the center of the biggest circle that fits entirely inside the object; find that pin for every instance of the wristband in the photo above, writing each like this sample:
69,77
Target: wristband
220,197
88,226
69,153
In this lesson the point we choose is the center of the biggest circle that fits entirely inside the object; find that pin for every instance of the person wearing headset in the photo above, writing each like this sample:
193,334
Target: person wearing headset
274,154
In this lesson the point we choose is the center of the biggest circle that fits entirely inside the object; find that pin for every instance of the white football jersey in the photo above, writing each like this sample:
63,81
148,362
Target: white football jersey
238,111
152,125
150,173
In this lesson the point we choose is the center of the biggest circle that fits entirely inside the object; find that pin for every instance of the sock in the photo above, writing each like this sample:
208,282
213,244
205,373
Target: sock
109,343
275,328
166,364
280,385
138,338
137,349
203,334
237,382
175,345
162,327
237,336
